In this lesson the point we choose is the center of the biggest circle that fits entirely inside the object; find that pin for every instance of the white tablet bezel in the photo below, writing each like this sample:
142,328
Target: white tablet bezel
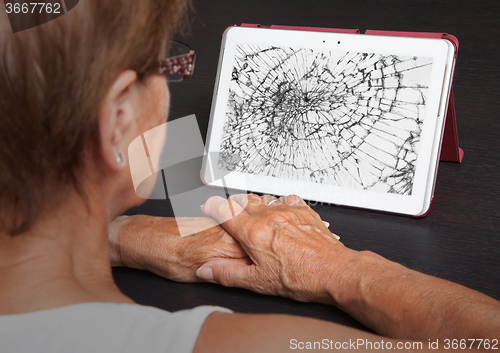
442,54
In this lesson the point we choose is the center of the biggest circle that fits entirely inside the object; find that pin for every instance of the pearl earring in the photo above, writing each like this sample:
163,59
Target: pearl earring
119,158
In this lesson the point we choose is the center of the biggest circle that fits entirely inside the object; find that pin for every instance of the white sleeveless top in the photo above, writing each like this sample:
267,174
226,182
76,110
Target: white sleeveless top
103,327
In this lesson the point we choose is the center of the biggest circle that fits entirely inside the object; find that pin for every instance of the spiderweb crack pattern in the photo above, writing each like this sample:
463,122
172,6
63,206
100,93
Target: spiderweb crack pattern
339,118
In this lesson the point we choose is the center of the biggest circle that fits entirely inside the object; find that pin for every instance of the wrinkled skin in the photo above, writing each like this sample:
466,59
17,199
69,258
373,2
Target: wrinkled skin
289,248
153,244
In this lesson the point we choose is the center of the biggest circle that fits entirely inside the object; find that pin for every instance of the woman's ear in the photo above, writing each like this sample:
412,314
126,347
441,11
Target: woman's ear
116,118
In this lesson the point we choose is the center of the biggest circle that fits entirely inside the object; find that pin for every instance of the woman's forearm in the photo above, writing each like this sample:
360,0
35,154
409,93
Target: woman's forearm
398,302
294,255
138,241
154,244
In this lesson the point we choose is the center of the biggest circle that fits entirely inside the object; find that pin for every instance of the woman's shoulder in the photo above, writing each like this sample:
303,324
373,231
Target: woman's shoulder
106,327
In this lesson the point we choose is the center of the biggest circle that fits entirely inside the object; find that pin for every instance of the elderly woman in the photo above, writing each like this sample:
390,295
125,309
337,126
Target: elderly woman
74,93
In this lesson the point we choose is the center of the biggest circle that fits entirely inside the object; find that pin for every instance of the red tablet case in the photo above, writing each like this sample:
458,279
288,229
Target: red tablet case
450,152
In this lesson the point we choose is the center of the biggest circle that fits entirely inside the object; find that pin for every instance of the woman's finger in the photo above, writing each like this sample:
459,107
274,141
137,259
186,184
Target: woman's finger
327,225
228,272
254,203
250,202
229,213
293,200
306,212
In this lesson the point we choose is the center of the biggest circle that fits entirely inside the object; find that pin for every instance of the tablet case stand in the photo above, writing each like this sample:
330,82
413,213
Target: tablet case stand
450,152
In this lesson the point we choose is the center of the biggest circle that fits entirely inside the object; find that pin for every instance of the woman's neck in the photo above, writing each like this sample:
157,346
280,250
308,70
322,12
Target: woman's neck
62,260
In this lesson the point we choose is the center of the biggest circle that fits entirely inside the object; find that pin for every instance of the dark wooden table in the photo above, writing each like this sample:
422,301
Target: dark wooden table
459,240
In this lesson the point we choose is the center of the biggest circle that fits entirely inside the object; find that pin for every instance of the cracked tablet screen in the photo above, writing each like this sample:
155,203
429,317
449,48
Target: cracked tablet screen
330,117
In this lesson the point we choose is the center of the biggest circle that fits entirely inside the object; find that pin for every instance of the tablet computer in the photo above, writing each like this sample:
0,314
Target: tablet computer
347,119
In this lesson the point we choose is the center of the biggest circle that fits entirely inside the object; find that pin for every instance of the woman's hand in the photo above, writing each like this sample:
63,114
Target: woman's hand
291,251
153,244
